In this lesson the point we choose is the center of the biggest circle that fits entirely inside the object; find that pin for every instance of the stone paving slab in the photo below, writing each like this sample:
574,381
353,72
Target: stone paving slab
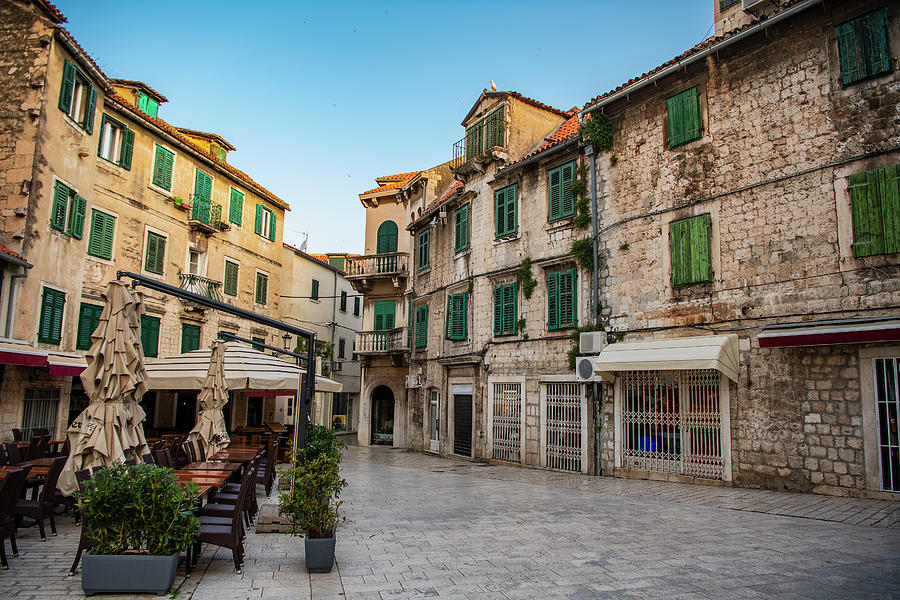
426,527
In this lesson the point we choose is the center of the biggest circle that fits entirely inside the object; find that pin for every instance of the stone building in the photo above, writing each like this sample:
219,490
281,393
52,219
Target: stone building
93,181
749,224
316,296
382,276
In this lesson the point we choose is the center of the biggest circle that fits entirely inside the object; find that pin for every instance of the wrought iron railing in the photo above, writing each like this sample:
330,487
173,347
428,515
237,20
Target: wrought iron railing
459,153
206,212
487,133
378,342
202,286
389,264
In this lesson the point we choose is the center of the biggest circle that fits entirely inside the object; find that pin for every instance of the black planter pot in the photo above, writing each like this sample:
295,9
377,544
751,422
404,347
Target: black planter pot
139,573
319,554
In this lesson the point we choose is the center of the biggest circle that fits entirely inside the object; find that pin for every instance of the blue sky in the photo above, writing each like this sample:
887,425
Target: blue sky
321,98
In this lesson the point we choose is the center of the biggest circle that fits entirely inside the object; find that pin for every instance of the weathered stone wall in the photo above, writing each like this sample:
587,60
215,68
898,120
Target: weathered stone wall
780,137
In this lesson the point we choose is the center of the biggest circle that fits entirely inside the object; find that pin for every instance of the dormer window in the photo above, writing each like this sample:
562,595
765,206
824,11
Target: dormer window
218,151
485,134
77,97
147,105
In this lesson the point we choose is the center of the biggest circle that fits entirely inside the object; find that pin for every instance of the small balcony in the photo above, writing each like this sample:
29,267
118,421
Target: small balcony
205,216
362,270
202,286
381,343
485,141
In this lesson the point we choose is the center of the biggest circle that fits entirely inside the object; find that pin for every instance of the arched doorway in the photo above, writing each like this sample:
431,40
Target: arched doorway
383,416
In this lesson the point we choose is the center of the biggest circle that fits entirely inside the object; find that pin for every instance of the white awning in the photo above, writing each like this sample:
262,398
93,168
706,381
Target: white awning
719,352
245,369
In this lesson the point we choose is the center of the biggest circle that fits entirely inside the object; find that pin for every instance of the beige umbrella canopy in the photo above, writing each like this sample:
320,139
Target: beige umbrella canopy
110,429
210,429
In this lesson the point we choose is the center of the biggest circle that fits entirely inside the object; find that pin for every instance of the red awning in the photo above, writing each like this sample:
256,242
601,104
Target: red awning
830,332
66,365
16,352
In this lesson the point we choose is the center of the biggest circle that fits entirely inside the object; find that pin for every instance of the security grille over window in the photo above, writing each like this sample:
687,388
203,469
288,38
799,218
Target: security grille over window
671,422
888,409
563,426
507,421
39,411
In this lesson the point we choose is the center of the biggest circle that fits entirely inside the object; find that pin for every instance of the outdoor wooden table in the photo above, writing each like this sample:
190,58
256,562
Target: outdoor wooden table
34,472
212,465
234,455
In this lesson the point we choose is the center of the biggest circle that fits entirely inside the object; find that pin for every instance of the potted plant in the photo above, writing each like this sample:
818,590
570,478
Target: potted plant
311,503
138,519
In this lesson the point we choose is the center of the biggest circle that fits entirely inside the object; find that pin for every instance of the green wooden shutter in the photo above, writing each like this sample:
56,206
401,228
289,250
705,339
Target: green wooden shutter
344,301
262,288
422,326
156,252
512,209
150,336
868,229
424,239
236,207
89,111
152,107
203,190
60,204
500,211
88,320
553,301
568,305
494,128
386,241
190,337
142,102
863,47
701,266
679,242
889,185
457,317
231,278
162,168
510,308
79,207
461,229
67,87
315,289
689,241
127,149
101,233
852,63
257,227
876,44
567,196
498,310
356,306
554,185
272,220
684,118
383,313
50,326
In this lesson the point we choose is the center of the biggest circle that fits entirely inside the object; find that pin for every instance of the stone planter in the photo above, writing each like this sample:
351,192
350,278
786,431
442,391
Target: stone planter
137,573
319,554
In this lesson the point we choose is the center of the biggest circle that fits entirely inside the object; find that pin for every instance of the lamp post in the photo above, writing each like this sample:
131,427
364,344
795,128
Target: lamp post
287,341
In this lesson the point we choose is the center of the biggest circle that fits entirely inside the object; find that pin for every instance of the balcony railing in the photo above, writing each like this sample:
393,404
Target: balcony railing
206,214
381,342
390,264
208,288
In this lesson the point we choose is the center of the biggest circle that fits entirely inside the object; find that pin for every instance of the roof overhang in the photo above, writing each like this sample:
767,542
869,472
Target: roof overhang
719,352
830,332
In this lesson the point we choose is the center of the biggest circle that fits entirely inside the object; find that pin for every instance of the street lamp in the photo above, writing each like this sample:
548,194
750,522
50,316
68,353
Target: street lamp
287,341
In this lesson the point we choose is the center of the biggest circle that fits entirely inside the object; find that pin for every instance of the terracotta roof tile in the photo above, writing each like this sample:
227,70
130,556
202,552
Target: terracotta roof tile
563,133
173,131
397,177
455,189
51,11
140,84
15,255
690,52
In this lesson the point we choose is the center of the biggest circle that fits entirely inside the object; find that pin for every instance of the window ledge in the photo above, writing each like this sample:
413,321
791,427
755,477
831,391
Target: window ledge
100,259
462,253
564,223
74,124
163,192
113,167
506,238
424,271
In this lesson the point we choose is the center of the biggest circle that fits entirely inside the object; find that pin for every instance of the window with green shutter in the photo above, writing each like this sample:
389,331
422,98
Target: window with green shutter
77,97
461,228
314,291
422,326
356,306
457,317
88,320
684,118
343,302
506,308
147,105
156,253
230,284
100,240
562,300
262,288
386,238
150,336
875,207
53,304
506,210
486,133
864,48
383,312
689,240
236,207
116,142
163,163
190,337
424,239
68,211
202,195
265,222
342,348
258,345
561,198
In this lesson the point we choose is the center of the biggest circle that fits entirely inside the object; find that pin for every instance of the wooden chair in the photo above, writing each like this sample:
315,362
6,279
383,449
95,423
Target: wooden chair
226,536
10,489
17,435
13,454
32,450
42,507
3,462
148,459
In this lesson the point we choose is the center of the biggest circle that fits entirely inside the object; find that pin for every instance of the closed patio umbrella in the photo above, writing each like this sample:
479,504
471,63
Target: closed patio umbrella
210,429
110,429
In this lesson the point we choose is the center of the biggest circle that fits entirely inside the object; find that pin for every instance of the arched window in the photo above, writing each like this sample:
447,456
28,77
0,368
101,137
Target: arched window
387,237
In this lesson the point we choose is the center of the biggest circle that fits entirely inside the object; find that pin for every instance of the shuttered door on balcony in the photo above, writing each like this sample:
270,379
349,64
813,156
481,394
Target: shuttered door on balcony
462,424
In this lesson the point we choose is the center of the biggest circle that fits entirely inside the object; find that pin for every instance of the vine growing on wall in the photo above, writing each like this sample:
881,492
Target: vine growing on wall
583,251
582,203
597,128
526,277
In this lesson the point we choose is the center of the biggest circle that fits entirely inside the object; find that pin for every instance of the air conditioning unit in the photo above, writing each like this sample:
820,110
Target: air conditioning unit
748,4
584,369
412,381
591,342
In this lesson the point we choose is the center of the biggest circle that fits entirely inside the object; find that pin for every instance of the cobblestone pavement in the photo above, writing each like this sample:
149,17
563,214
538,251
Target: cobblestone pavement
422,526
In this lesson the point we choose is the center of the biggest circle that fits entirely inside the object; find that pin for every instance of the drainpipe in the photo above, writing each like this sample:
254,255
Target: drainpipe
595,298
10,302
